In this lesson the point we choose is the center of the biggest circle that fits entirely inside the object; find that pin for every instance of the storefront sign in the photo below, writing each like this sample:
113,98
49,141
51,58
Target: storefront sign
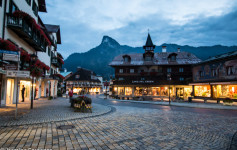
11,57
10,66
12,73
143,81
9,52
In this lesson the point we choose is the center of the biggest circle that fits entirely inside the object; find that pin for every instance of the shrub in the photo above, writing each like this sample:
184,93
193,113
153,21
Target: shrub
50,97
227,100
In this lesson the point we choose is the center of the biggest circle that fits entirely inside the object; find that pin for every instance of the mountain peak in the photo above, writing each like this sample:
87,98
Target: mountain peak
109,41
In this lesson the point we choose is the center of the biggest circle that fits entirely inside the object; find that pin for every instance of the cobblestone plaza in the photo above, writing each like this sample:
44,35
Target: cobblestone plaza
120,126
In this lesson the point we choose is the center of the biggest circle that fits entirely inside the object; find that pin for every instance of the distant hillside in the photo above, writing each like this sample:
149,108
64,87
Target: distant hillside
98,58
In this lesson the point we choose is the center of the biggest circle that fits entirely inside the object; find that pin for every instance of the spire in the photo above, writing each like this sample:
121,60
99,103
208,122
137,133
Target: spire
149,43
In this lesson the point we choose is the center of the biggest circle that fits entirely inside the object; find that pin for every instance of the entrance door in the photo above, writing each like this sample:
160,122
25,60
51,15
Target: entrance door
10,90
180,92
27,85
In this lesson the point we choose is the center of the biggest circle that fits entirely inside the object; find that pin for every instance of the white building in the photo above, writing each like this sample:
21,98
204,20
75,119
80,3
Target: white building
24,34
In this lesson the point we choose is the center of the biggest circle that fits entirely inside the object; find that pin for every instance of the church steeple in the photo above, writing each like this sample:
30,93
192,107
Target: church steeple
149,44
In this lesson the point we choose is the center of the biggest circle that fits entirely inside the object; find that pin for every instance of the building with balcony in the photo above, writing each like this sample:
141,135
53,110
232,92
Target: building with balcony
149,74
25,41
83,81
216,77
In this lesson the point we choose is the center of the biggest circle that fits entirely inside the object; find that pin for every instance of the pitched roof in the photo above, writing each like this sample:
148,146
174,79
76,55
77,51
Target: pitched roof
84,75
182,58
54,29
149,42
221,56
64,74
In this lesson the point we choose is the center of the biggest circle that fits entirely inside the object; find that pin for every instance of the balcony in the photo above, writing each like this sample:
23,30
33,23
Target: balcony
26,32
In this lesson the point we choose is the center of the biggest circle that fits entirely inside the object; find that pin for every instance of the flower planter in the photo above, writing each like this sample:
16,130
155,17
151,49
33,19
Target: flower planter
227,104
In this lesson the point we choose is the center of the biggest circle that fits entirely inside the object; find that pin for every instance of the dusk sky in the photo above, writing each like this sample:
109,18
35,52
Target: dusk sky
185,22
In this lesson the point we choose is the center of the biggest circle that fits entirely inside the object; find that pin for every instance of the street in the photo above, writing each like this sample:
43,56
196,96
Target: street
128,126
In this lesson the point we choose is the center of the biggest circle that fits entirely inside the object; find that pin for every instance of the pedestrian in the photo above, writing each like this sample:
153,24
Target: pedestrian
67,94
23,93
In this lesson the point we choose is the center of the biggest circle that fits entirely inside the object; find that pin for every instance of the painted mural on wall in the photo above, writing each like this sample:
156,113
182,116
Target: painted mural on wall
218,71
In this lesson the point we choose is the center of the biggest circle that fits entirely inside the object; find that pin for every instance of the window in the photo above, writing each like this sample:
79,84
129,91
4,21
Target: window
201,73
181,69
0,3
148,58
230,70
142,78
121,79
126,59
48,51
13,7
120,70
169,69
35,8
28,2
173,58
214,72
77,76
131,70
159,69
181,79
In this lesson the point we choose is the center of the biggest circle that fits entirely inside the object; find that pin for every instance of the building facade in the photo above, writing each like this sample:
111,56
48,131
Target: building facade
28,44
84,81
216,77
151,74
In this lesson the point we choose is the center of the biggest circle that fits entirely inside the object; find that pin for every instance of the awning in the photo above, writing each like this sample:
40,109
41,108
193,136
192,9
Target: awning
199,84
221,83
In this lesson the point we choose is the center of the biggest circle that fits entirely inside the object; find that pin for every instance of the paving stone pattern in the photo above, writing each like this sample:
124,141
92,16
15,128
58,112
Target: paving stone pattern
47,111
127,128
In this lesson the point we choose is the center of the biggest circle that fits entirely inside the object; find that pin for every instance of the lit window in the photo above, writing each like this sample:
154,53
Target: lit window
181,69
169,69
131,70
120,70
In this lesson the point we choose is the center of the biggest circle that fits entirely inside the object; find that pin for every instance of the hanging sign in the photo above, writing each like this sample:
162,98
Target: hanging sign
10,57
13,73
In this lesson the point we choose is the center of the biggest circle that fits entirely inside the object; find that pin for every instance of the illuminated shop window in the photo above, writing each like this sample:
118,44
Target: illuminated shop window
204,91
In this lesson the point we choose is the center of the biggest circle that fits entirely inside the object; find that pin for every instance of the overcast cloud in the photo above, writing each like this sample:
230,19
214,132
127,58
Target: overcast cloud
185,22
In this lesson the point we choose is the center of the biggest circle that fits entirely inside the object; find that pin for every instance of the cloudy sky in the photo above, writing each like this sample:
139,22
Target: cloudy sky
186,22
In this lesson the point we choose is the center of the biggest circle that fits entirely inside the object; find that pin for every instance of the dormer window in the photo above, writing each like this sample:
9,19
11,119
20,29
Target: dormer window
172,57
148,58
126,58
77,76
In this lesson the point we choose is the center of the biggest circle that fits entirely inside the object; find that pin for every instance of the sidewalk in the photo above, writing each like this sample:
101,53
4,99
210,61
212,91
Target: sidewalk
46,111
182,104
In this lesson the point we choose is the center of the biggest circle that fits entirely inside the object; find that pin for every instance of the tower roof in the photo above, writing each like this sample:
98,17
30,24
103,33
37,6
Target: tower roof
149,42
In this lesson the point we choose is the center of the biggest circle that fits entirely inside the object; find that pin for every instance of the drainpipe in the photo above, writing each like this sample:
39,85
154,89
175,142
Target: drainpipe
4,19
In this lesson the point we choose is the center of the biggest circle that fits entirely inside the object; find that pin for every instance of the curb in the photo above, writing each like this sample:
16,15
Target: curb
233,143
155,103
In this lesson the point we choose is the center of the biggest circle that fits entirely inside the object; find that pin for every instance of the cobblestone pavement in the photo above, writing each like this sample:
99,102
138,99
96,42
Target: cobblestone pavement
46,111
127,128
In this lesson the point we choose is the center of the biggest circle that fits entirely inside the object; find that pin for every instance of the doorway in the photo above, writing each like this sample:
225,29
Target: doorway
180,92
10,91
27,85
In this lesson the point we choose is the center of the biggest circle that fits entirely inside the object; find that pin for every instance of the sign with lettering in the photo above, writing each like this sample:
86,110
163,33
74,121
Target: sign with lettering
13,73
143,81
9,52
10,66
10,57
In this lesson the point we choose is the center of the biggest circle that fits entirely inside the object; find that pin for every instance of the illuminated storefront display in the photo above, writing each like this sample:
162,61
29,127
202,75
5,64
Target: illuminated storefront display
128,91
203,91
220,91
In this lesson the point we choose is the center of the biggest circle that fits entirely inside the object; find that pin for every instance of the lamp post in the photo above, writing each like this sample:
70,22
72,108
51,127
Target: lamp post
106,88
169,79
33,58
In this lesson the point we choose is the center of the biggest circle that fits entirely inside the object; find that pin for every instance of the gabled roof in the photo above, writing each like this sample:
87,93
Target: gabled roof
182,58
84,75
232,54
42,6
54,29
149,42
64,74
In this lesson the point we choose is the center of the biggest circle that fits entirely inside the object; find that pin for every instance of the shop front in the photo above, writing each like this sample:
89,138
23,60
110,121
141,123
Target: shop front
225,91
154,92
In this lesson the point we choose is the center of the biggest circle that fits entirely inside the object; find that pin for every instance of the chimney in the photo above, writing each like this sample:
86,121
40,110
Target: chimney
65,69
163,49
178,49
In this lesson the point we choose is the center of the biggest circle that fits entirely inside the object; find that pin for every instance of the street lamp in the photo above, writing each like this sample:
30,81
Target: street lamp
169,79
33,59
